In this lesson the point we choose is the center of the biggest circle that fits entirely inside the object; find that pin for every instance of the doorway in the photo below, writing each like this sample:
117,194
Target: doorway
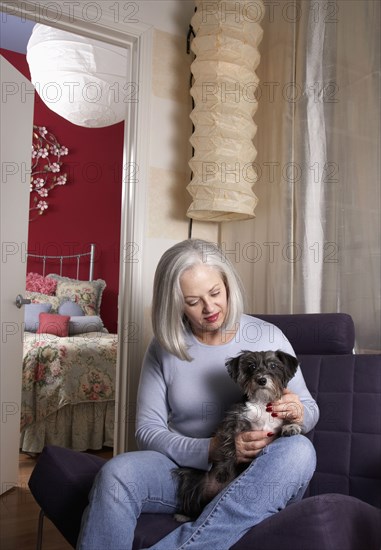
137,39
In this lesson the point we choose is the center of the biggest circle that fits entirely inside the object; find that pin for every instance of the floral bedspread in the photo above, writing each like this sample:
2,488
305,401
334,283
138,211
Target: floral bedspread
62,371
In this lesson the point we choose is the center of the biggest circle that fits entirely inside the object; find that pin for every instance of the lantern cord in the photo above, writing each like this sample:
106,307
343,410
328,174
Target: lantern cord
190,227
190,34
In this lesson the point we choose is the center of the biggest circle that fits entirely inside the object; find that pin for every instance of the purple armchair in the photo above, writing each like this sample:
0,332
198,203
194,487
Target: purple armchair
342,507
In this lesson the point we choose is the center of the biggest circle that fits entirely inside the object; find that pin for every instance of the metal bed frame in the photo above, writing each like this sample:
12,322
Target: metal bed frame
61,259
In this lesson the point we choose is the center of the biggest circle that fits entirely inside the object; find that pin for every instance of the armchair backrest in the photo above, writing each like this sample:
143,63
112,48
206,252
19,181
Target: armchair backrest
347,437
347,388
316,333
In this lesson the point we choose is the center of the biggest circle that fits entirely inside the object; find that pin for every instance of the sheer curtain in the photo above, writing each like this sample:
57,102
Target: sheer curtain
315,243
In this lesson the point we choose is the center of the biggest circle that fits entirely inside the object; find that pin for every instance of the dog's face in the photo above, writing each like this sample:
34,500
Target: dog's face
269,371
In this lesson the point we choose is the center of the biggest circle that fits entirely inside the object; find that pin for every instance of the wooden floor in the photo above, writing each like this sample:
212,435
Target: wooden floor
19,514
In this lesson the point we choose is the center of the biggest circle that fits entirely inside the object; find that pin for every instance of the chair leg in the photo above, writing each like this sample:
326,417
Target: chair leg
40,529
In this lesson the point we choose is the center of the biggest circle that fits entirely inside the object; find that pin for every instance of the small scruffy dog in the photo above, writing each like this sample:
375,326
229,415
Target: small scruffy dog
262,376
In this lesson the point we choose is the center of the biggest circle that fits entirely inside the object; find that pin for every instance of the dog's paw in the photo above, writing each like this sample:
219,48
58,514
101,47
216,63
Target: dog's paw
291,429
181,518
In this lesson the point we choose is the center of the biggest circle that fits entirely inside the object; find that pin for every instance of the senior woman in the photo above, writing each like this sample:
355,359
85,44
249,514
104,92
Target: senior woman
184,391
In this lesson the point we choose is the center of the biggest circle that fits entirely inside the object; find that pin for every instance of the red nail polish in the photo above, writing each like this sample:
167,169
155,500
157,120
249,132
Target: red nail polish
269,409
270,434
274,415
269,404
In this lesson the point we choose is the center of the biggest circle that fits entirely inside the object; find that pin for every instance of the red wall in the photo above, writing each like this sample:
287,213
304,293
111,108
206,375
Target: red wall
88,208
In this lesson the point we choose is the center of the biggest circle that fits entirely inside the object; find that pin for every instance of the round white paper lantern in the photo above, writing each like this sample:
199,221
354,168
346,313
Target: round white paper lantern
80,79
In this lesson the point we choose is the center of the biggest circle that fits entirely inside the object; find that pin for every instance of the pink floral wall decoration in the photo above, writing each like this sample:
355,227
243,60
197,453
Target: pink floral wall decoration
46,169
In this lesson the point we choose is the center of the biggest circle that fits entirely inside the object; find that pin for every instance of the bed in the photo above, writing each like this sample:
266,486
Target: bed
69,358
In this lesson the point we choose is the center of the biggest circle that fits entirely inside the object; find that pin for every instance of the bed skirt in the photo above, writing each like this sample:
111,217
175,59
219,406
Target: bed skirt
78,427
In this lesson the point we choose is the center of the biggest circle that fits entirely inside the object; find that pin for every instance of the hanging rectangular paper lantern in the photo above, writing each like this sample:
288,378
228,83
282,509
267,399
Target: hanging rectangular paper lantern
227,34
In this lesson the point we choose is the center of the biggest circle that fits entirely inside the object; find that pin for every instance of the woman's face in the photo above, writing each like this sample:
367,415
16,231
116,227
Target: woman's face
205,301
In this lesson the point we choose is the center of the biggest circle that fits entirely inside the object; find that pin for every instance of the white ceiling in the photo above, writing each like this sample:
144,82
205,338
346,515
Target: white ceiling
14,32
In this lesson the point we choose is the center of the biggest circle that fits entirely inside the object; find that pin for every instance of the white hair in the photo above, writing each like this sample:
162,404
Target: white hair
168,320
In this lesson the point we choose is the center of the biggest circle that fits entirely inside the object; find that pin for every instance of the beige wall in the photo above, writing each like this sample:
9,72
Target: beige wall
170,151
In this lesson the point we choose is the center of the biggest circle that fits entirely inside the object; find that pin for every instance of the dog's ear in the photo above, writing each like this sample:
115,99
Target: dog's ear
232,366
289,361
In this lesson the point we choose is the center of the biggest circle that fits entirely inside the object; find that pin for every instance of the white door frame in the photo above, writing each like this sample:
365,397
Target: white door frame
122,29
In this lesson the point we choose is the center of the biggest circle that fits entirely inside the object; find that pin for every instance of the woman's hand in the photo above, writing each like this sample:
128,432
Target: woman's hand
289,408
249,444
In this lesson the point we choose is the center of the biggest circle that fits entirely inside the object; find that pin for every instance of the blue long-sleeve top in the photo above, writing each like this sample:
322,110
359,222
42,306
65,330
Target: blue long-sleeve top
180,403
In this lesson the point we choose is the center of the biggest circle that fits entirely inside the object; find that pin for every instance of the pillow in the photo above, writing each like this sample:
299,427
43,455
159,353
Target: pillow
68,307
32,312
52,323
88,294
85,323
38,283
38,298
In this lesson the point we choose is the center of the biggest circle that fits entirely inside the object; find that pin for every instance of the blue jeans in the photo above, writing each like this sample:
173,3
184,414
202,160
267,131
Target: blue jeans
137,482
